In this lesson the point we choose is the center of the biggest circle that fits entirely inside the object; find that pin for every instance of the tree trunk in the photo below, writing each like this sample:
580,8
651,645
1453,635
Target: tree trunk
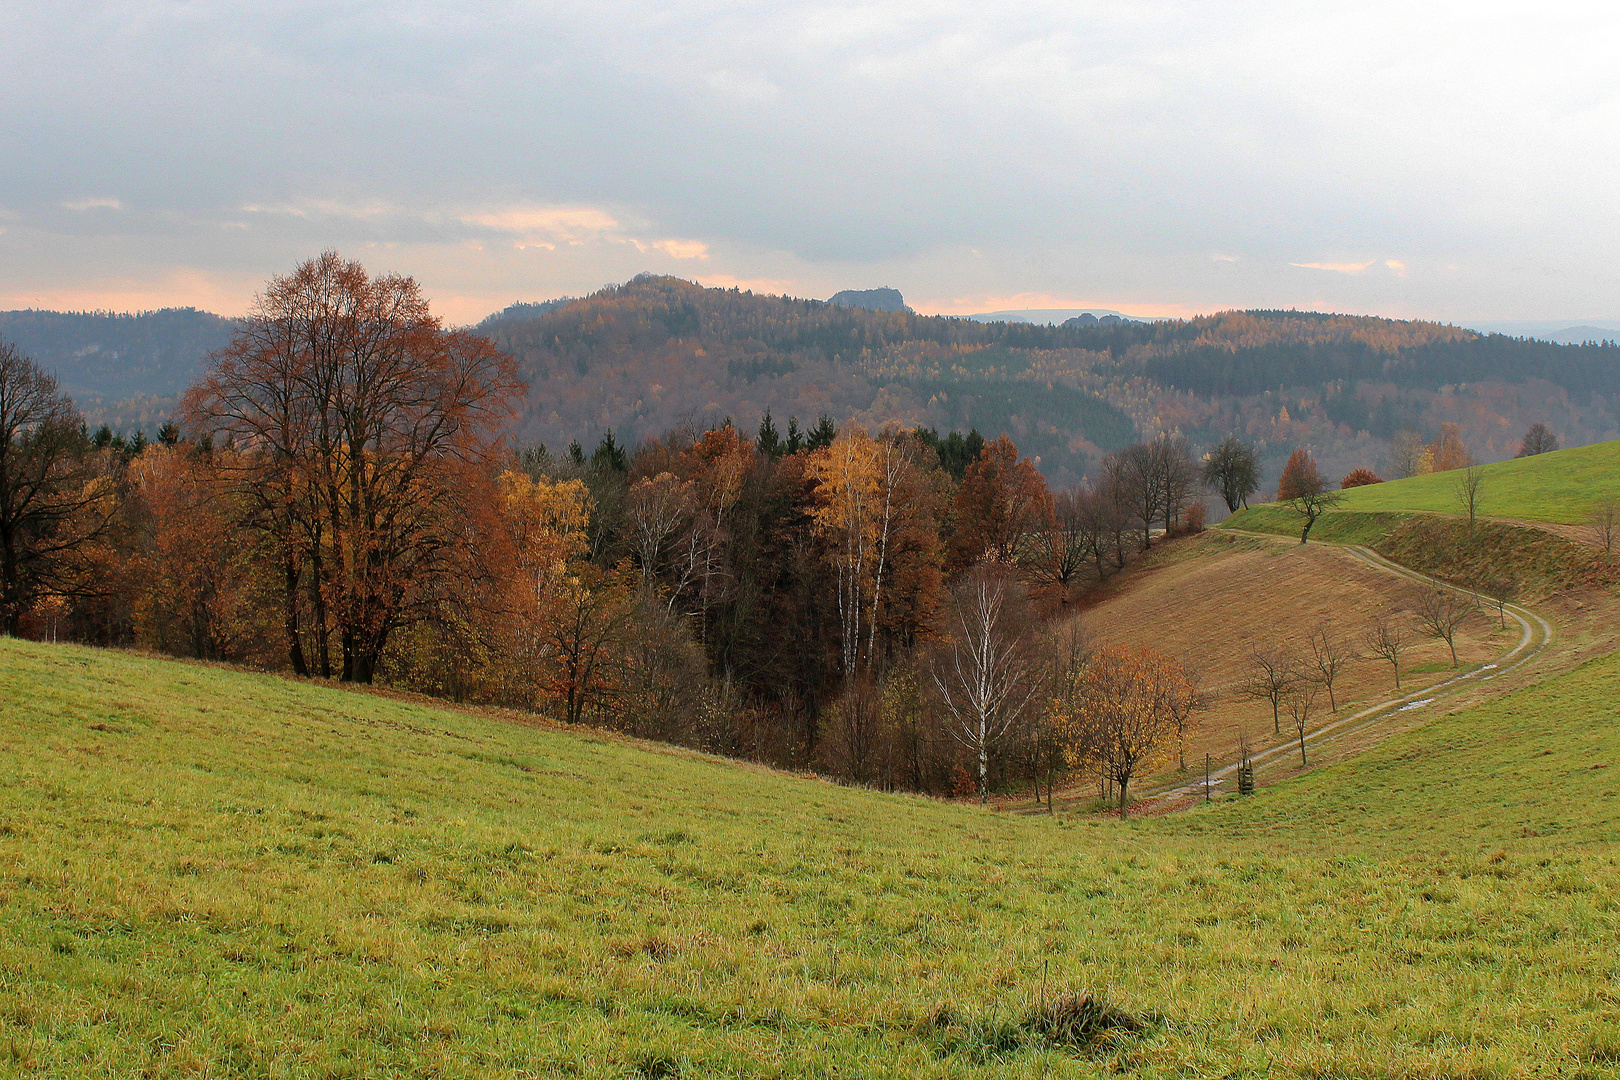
295,644
1302,761
1124,797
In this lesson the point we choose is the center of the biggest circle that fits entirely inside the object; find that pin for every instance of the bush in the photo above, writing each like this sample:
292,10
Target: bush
1360,478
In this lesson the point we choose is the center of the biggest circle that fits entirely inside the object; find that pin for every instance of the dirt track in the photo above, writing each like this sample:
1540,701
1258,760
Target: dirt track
1211,600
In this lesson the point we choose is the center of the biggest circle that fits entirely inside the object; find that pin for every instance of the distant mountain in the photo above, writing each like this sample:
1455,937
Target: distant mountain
1580,335
103,359
871,299
657,352
1560,331
1050,316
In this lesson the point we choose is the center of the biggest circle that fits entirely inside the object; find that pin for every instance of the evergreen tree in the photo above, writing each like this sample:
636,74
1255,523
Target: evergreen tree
769,442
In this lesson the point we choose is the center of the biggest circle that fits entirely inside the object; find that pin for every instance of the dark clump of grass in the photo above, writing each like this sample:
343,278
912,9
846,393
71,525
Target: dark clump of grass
1083,1022
1079,1023
658,1067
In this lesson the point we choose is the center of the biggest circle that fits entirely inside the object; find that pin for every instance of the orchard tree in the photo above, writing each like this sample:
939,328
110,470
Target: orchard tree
1387,640
1441,613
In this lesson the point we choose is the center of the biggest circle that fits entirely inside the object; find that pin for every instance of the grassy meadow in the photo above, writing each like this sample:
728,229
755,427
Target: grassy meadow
212,873
1558,487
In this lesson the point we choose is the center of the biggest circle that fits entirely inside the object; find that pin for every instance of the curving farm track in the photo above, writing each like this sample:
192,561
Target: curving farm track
1536,634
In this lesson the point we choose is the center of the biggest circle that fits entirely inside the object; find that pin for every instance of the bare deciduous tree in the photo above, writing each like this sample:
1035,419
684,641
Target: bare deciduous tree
1385,639
1185,697
1468,489
1329,655
1274,673
1604,522
1502,591
1441,612
986,671
1300,704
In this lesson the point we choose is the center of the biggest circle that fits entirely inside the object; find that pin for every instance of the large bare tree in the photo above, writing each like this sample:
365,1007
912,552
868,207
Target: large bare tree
51,504
351,405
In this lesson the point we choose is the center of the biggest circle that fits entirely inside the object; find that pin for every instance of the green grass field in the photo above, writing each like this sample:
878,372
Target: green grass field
210,873
1561,487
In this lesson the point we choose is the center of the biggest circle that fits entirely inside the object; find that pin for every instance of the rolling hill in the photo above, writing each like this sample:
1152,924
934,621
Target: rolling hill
209,872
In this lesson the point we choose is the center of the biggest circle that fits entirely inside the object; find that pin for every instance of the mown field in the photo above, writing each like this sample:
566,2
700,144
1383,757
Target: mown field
1558,487
208,873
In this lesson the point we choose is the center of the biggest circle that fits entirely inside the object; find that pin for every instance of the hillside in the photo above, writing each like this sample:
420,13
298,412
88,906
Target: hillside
208,872
643,356
1214,599
1559,487
102,357
656,352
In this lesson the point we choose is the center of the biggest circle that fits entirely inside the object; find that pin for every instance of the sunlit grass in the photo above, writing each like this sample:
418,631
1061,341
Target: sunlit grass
205,872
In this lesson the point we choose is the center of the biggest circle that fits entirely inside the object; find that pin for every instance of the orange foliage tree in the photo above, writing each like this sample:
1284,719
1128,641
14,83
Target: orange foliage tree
1448,452
1298,476
1002,507
352,405
1127,707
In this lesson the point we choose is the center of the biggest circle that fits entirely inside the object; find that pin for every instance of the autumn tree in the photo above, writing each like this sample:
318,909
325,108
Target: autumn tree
1232,469
1387,640
1002,507
1300,474
1304,491
986,669
54,500
1125,717
352,405
1537,440
1441,613
1448,452
193,579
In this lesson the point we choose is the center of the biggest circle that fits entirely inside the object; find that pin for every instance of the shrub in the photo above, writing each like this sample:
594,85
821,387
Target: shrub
1360,478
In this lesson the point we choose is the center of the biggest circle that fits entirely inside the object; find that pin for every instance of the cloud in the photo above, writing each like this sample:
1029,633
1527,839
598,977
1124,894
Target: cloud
91,204
564,223
682,249
1338,268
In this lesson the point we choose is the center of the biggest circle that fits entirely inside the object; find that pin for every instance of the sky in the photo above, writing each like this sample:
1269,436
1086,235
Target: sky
1456,161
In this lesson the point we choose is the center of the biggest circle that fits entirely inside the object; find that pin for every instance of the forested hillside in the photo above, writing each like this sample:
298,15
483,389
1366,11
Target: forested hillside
656,352
642,357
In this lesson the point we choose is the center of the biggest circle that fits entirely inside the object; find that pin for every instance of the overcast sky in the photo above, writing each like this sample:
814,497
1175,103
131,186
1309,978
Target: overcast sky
1452,161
